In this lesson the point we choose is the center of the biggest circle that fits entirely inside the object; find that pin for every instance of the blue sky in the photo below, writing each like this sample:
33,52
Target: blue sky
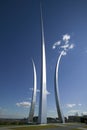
20,41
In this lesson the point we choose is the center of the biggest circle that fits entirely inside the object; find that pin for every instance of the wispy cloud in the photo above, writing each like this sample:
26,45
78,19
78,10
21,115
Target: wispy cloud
56,44
48,92
31,89
64,53
73,111
66,38
79,104
38,91
71,46
64,44
70,105
23,104
84,113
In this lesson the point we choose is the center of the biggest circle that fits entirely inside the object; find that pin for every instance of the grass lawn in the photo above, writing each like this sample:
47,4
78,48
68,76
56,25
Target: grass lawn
35,127
78,128
85,126
75,129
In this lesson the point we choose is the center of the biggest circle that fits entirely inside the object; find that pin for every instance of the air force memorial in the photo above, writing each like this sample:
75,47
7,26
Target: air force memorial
42,116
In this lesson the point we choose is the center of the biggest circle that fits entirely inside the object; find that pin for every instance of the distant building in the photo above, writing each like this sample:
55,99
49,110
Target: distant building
84,119
74,118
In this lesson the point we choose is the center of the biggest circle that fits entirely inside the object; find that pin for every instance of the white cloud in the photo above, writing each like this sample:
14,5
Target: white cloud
23,104
73,111
71,46
84,113
70,105
47,92
66,37
79,104
65,46
38,91
73,105
32,89
53,47
64,53
56,44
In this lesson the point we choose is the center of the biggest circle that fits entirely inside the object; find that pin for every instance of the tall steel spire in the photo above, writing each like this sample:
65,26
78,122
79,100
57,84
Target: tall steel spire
42,118
59,111
31,113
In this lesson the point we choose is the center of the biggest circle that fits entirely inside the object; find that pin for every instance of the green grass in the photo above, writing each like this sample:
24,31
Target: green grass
85,126
75,129
78,128
35,127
